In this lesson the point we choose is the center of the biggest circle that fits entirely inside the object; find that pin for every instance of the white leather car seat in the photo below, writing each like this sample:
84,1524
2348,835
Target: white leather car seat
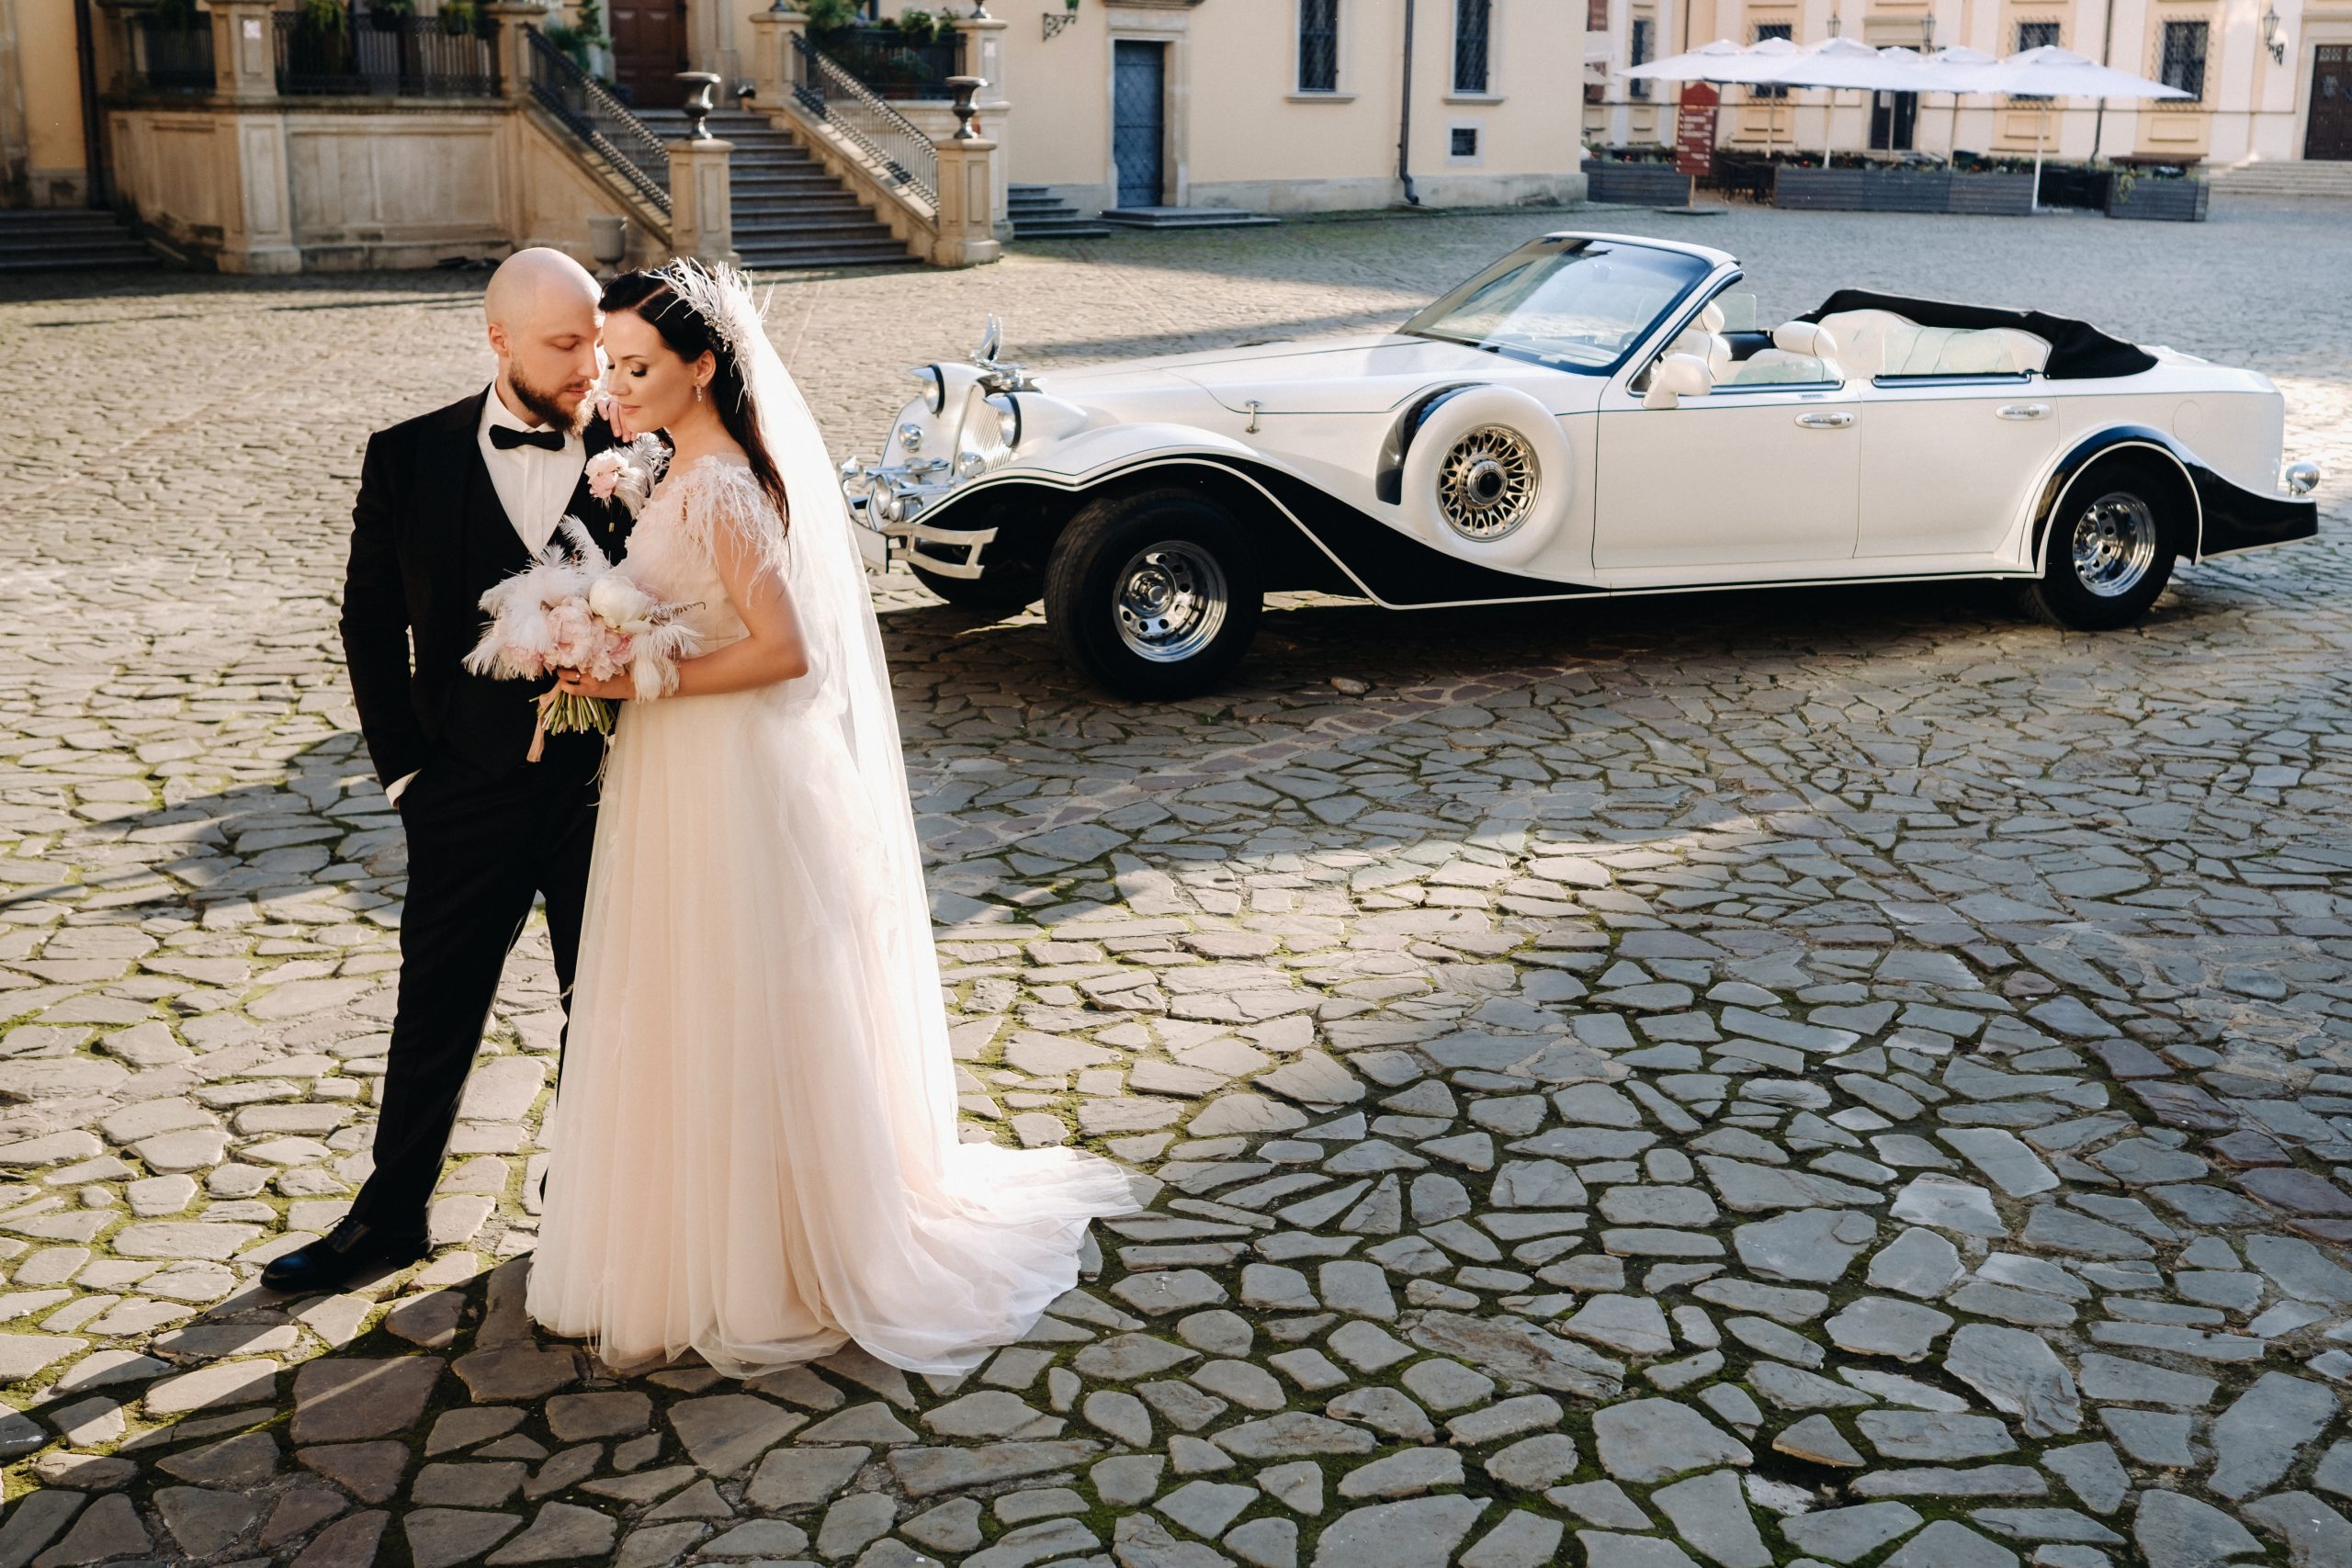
1703,339
1800,351
1880,342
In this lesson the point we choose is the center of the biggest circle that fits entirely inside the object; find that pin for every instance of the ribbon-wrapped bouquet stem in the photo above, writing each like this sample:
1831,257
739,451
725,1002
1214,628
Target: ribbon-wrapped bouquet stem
572,609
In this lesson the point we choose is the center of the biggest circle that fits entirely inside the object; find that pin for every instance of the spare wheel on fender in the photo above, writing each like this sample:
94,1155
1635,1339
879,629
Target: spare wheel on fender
1487,476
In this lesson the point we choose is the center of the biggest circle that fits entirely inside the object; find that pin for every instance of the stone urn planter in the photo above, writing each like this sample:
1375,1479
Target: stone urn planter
2159,200
1637,185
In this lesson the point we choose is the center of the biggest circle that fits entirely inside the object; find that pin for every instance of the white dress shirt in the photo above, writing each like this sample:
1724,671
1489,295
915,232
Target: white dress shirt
533,485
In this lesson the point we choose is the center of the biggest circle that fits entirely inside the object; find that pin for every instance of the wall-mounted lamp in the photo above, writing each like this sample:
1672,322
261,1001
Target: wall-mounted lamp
2277,45
1928,33
1837,23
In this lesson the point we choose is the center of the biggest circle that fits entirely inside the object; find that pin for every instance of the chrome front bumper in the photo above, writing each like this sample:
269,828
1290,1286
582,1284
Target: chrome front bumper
887,505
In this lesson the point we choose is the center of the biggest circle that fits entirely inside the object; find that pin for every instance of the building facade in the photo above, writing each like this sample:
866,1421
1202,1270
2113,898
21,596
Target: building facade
1272,106
2271,79
44,149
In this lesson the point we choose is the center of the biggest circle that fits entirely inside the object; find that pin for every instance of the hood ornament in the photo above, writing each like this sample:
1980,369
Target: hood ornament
997,375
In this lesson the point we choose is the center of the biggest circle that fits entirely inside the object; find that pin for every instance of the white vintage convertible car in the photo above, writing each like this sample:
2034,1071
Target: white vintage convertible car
1592,414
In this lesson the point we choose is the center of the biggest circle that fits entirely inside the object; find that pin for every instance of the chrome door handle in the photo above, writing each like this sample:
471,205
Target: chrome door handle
1825,420
2024,410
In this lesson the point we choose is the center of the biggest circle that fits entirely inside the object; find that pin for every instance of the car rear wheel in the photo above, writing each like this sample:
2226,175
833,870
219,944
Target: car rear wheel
1004,588
2109,551
1153,596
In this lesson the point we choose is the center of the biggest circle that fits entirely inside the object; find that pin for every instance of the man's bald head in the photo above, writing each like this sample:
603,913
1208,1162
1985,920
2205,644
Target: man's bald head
541,313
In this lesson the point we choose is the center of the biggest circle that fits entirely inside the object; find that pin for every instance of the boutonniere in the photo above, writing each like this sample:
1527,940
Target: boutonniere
627,472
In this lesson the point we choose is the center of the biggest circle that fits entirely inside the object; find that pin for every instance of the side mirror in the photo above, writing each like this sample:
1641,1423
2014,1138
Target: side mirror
1678,376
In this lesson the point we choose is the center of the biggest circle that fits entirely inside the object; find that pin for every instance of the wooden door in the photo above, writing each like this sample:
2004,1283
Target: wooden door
1138,121
648,50
2328,134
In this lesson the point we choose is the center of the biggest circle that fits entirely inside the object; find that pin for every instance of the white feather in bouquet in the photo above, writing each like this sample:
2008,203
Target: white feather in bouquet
573,609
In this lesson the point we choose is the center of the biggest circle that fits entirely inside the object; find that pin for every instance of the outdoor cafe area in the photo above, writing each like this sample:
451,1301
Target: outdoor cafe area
1797,176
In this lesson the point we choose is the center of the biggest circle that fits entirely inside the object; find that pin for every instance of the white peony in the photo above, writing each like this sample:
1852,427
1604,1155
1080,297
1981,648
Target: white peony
620,603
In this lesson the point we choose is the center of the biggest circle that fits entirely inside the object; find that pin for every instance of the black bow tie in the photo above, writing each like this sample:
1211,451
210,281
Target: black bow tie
506,438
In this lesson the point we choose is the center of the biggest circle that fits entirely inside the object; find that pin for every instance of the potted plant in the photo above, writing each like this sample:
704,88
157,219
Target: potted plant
589,16
460,17
2162,192
390,16
322,18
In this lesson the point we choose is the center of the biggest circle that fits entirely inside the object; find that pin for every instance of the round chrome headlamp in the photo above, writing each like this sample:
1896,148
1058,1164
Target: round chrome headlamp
2302,478
910,436
1008,419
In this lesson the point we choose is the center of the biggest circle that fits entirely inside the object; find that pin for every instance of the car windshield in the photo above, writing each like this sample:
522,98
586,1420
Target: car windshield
1579,305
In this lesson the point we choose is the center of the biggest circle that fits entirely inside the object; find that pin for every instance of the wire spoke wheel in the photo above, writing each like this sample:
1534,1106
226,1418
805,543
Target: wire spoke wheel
1489,483
2114,544
1170,600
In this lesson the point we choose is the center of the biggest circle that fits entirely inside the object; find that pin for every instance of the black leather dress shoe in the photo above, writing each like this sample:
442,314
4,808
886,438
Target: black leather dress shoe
350,1251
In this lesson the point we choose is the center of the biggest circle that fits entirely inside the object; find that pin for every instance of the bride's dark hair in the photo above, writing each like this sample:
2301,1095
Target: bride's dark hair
690,336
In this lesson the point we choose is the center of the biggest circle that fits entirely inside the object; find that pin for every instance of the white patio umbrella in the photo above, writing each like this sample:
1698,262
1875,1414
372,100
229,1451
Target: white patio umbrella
1957,70
2051,72
1834,63
1725,62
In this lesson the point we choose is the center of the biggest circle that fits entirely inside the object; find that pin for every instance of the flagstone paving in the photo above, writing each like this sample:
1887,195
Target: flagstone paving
1848,1078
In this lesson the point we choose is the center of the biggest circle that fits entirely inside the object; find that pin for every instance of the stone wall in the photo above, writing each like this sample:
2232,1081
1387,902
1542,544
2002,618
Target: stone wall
333,187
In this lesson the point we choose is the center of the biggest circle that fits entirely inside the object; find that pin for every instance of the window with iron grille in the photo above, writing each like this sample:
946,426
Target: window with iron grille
1318,46
1472,29
2035,35
1637,52
2184,57
1763,31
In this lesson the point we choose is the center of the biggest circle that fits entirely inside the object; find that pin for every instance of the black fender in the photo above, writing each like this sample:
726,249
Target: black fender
1374,557
1388,479
2224,516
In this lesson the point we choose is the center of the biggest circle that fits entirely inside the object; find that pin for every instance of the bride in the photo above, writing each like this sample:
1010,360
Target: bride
756,1153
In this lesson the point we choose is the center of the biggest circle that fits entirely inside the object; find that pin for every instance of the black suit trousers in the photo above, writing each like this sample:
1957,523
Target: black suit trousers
479,847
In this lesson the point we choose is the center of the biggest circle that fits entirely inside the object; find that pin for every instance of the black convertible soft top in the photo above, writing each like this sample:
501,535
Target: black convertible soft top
2078,351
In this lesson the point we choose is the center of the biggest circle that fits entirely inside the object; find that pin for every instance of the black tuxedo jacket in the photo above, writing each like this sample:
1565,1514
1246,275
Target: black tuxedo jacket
428,537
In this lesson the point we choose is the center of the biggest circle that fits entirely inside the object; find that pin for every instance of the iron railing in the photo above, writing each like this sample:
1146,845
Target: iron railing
885,60
826,91
171,57
590,111
382,54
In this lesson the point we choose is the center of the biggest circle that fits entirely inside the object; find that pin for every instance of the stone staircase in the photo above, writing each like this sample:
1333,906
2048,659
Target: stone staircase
1038,214
2293,179
789,213
60,239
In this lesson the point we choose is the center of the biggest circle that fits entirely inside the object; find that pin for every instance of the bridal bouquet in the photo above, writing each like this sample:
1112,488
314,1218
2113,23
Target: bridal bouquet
572,609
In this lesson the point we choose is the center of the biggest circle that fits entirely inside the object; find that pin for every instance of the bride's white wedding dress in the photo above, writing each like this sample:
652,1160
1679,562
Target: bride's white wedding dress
756,1153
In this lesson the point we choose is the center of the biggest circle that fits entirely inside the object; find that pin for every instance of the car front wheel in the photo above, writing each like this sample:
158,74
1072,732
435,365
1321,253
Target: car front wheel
2110,552
1153,596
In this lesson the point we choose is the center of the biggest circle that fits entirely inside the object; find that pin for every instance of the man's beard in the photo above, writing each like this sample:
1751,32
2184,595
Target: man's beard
542,405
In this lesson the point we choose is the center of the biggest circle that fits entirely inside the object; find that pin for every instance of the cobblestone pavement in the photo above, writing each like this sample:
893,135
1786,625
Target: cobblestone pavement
1845,1076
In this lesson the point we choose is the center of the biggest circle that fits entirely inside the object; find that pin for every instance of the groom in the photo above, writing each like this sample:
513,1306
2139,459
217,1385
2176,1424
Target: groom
450,503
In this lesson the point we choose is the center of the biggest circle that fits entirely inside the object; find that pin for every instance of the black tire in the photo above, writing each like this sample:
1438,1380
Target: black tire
1167,548
2125,515
1003,588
